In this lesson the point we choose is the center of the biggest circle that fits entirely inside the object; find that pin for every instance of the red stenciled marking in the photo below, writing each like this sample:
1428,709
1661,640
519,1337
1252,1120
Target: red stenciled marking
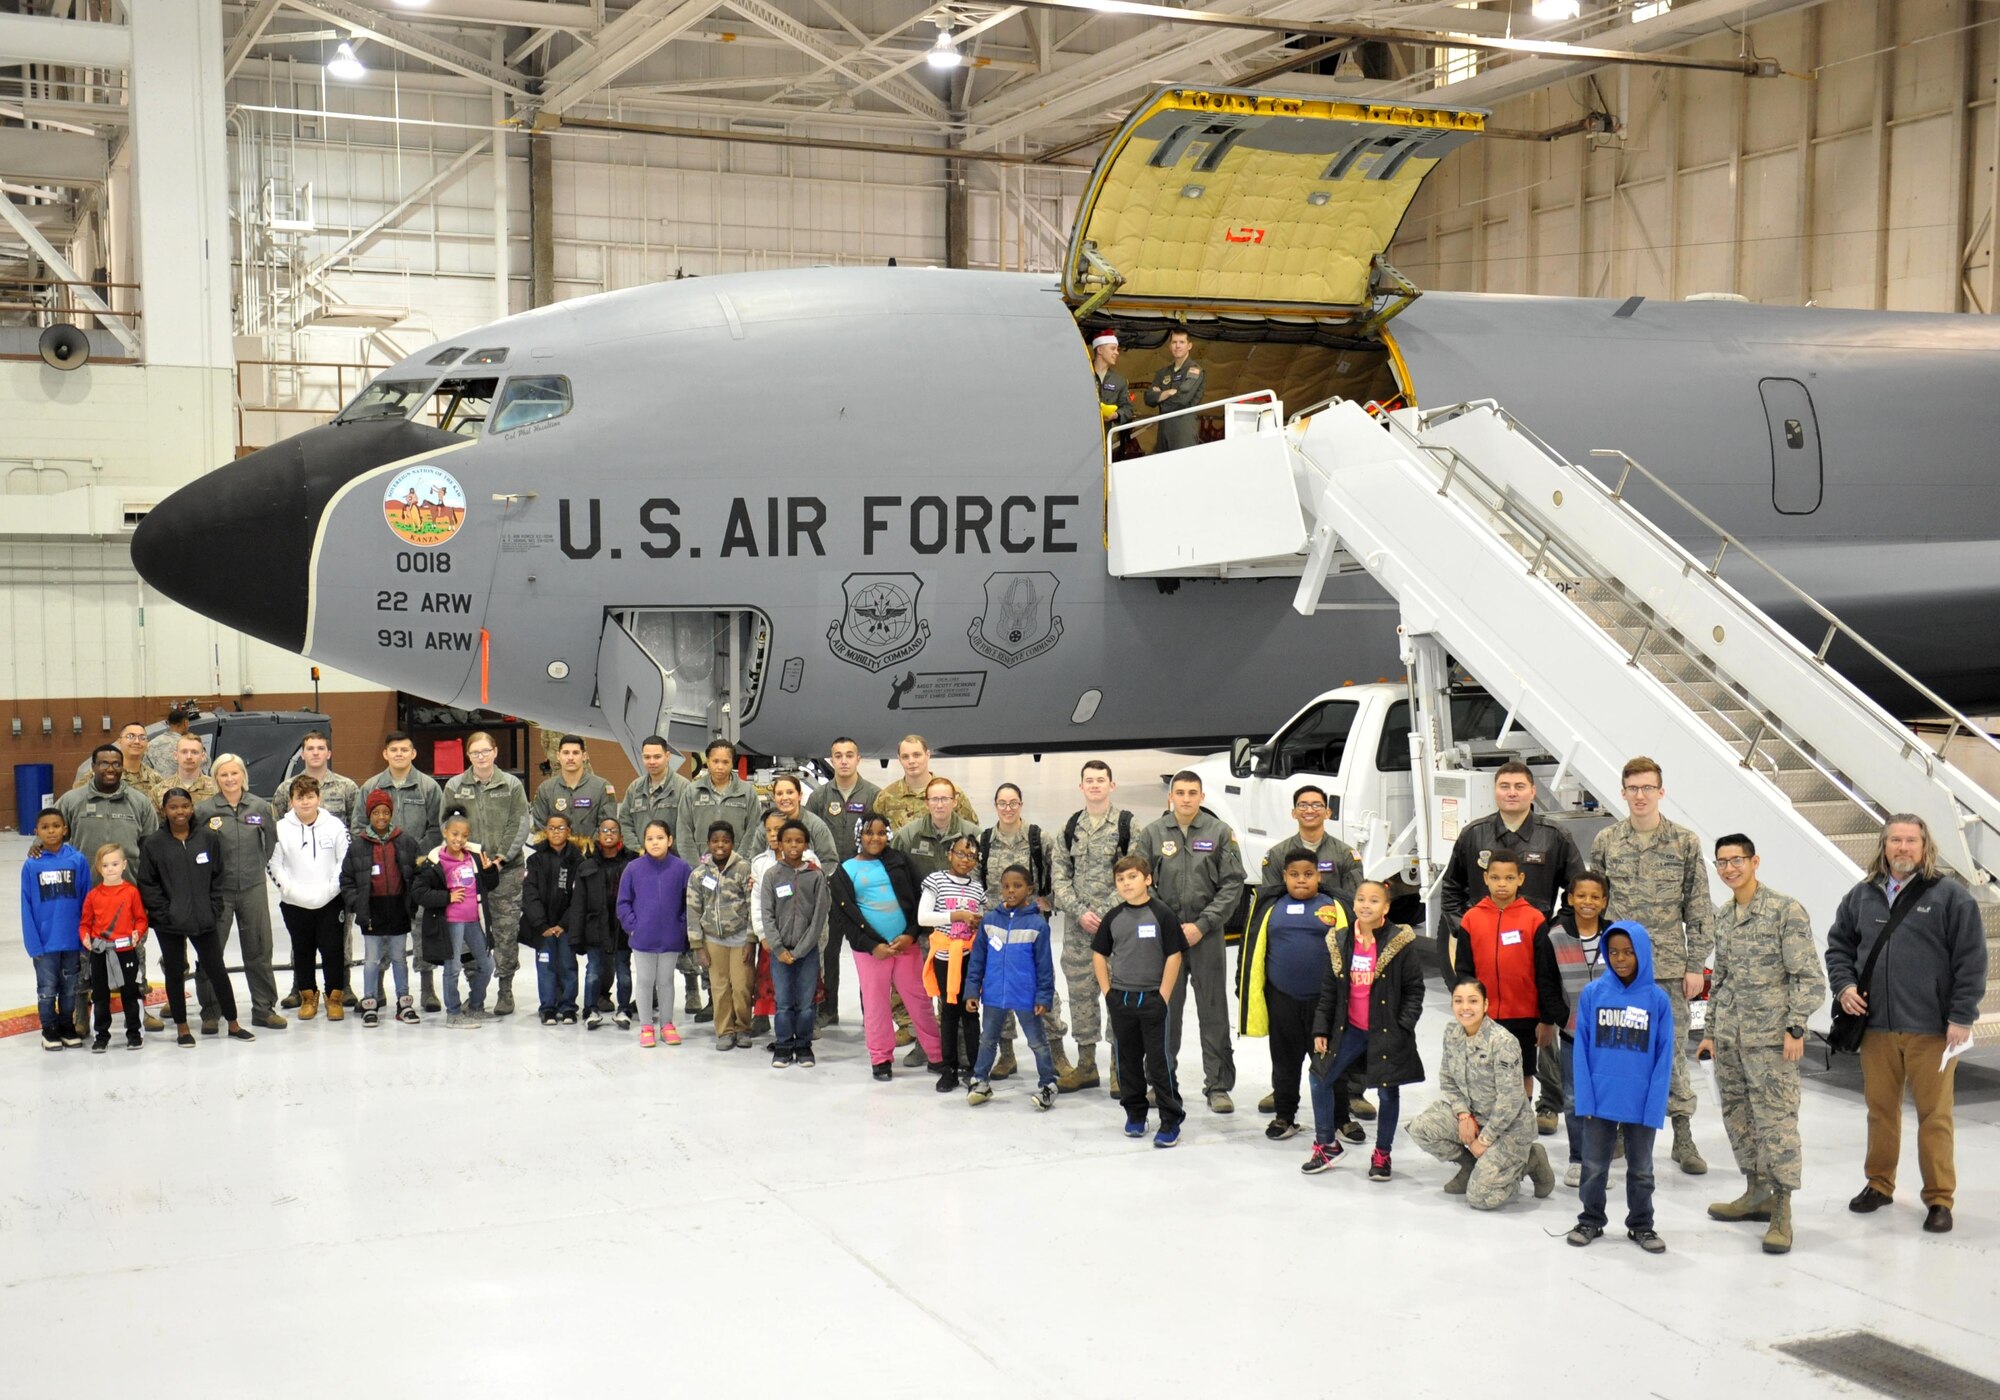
1246,234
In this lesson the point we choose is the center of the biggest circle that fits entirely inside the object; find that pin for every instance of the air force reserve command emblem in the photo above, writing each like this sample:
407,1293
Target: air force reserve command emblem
1019,622
879,626
424,505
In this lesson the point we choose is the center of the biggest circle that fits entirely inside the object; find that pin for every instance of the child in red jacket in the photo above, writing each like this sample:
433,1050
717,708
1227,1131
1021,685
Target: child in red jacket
1501,942
113,928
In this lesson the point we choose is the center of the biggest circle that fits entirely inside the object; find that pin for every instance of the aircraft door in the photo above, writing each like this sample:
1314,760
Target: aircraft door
1797,481
633,692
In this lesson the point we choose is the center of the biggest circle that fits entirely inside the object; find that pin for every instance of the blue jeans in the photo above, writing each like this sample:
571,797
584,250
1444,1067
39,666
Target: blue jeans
467,938
992,1021
1330,1101
555,975
601,966
1570,1120
55,991
1599,1134
792,987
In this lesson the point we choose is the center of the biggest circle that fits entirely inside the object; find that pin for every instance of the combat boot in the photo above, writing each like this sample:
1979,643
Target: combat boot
1778,1238
1111,1077
1753,1204
429,999
1685,1153
1456,1186
1004,1064
1081,1075
1540,1172
503,1003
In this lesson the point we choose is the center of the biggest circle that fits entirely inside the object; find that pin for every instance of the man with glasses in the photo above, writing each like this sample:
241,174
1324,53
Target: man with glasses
137,772
496,804
1548,859
1767,982
1659,878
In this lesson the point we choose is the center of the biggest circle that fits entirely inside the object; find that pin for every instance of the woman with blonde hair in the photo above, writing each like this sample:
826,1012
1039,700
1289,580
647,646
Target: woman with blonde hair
246,828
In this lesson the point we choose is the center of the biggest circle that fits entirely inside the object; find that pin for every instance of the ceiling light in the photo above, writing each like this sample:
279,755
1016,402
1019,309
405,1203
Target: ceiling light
1556,9
944,53
345,66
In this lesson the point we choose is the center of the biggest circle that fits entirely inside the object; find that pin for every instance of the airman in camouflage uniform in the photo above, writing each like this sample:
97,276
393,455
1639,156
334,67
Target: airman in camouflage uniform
497,807
1082,877
903,806
1767,982
1659,878
1481,1076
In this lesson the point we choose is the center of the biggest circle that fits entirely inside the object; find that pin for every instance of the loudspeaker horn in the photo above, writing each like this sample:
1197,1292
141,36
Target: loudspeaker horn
64,347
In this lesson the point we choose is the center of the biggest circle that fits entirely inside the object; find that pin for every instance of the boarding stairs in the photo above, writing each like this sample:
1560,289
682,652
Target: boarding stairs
1602,634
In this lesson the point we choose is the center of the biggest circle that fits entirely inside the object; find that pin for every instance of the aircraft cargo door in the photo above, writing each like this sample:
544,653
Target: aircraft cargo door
632,691
1796,470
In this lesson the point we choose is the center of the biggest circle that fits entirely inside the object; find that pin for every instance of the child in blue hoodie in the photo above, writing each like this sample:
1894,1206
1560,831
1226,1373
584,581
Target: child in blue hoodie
1623,1062
54,881
1012,968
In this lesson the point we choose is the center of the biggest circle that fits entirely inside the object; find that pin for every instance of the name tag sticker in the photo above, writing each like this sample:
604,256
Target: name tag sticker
201,857
708,881
1295,909
465,875
1201,845
782,891
375,869
1149,930
1510,938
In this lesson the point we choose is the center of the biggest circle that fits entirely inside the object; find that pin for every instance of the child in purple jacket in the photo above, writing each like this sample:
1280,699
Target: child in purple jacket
652,908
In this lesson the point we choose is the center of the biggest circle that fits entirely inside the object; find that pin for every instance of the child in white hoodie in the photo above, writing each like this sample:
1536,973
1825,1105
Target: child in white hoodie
305,870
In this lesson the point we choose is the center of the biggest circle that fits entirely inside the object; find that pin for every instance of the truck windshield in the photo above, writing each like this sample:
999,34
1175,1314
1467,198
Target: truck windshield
385,398
1316,741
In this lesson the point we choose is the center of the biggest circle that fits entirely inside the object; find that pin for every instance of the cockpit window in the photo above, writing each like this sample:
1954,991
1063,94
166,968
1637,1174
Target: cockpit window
461,405
495,356
385,399
445,357
531,398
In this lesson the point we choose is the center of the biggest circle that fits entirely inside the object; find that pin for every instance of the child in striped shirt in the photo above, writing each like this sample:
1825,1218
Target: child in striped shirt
950,904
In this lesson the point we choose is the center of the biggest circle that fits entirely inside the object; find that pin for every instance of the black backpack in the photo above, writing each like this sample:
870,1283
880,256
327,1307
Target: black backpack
1038,868
1076,820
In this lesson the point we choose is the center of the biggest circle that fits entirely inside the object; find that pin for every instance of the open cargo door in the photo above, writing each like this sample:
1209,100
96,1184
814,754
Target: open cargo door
1253,202
633,692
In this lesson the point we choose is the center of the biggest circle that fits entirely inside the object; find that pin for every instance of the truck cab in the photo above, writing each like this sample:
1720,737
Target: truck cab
1354,742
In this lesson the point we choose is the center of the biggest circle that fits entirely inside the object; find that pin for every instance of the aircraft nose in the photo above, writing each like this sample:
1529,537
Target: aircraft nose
237,544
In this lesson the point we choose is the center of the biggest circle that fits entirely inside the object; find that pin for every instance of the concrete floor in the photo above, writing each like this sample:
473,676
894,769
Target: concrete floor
419,1210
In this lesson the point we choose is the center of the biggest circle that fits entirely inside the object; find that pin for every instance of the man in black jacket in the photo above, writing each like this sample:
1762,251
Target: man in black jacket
1922,997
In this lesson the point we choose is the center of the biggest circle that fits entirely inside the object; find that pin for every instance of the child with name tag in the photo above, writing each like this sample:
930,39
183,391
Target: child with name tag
1287,953
652,908
949,904
793,900
55,881
1502,941
114,925
376,881
1012,968
447,887
719,914
1137,953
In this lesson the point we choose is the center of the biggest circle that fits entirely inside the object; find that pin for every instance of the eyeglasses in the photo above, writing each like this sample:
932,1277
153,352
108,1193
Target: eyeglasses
1309,807
1007,802
1731,862
1647,790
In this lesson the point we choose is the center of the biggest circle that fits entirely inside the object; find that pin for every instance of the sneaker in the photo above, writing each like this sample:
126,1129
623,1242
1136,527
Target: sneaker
1583,1235
51,1042
134,1041
569,1018
646,1039
371,1017
1167,1137
916,1057
947,1081
1045,1097
705,1015
782,1059
595,1021
979,1091
746,1042
71,1040
548,1018
623,1020
1324,1155
1278,1129
884,1071
210,1026
1647,1241
241,1034
100,1042
269,1021
803,1059
1354,1132
1574,1176
459,1021
1135,1127
725,1042
1378,1166
668,1035
407,1014
185,1040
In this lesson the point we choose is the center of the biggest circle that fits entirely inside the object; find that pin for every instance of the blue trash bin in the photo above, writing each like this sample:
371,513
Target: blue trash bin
34,789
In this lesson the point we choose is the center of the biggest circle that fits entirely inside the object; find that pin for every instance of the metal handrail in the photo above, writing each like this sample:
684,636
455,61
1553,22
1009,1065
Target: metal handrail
1529,521
1136,424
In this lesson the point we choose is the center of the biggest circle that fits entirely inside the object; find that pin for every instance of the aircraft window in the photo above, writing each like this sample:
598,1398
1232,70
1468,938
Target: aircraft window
1316,741
1473,717
497,356
385,399
445,357
531,398
461,405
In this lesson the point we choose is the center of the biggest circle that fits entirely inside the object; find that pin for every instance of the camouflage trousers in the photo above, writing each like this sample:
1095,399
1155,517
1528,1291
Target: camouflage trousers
1086,1003
1759,1089
1495,1173
689,967
503,922
1680,1090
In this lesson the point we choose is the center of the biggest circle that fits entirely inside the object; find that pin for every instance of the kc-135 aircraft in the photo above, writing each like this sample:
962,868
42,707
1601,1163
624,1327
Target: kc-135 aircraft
866,501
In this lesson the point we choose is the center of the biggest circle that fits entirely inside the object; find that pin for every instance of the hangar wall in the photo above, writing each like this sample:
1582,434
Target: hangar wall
1864,178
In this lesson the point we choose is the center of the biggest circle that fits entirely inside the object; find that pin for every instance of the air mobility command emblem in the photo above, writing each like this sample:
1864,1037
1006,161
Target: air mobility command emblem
879,625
